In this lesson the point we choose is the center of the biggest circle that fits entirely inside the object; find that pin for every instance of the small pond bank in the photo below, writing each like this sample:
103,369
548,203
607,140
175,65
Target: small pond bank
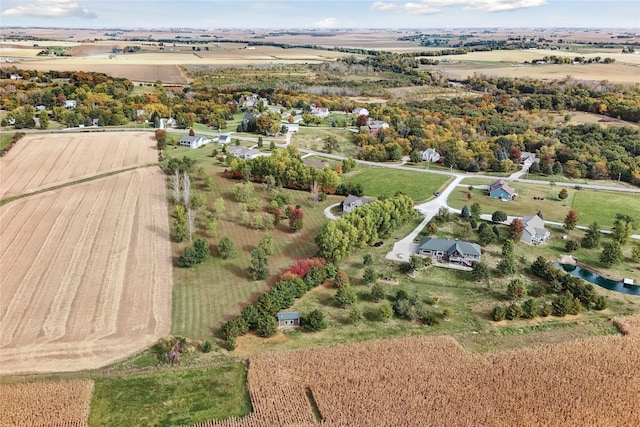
596,279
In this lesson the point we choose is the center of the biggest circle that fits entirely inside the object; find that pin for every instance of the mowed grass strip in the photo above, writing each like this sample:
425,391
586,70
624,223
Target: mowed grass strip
171,398
388,181
207,295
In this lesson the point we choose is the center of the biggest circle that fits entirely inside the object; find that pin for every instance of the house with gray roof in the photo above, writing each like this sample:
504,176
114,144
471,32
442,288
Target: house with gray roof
534,232
288,319
352,202
499,189
452,251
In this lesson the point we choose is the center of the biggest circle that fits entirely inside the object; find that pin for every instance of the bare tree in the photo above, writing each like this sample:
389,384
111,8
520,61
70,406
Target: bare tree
191,222
186,190
174,181
315,193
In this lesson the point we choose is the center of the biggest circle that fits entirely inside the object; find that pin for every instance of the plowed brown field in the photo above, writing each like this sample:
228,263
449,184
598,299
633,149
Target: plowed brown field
43,160
86,269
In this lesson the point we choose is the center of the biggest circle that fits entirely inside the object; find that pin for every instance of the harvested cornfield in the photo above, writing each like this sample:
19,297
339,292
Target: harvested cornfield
44,160
434,381
87,273
50,404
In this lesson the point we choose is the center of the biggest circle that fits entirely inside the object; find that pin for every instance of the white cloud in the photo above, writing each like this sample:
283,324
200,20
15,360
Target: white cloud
326,23
426,7
423,8
382,6
50,9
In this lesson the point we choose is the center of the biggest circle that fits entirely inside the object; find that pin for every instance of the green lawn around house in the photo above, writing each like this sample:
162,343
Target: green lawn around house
377,181
553,209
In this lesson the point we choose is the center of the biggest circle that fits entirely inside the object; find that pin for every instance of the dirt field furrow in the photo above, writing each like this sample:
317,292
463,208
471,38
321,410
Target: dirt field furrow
63,167
37,274
90,279
56,322
40,161
113,302
92,159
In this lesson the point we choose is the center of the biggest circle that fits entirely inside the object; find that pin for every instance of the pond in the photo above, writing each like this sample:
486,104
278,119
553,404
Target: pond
596,279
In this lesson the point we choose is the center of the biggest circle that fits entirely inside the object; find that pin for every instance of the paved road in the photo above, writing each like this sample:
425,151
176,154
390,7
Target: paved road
476,175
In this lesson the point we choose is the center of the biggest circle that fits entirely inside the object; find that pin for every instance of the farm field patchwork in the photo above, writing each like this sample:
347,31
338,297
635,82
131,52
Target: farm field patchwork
44,160
90,278
427,381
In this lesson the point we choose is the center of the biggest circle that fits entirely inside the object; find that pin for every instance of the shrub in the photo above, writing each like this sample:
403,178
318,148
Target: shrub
572,245
600,303
426,317
562,305
403,309
267,326
234,328
313,321
498,216
369,275
514,311
377,292
250,315
206,347
498,313
315,277
346,296
231,344
529,309
341,279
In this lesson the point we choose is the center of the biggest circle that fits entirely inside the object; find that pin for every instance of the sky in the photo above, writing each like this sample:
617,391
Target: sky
307,14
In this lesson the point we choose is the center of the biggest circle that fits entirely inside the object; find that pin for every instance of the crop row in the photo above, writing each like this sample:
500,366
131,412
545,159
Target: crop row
51,404
434,381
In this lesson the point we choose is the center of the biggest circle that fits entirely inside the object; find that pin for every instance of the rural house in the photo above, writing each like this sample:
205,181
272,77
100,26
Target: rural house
243,152
315,164
352,202
452,251
534,232
224,138
193,141
288,319
374,126
360,111
499,189
320,112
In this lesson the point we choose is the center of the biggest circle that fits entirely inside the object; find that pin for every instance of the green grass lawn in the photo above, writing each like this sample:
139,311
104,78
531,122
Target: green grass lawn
5,139
312,138
378,181
471,303
603,206
171,398
207,295
552,207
